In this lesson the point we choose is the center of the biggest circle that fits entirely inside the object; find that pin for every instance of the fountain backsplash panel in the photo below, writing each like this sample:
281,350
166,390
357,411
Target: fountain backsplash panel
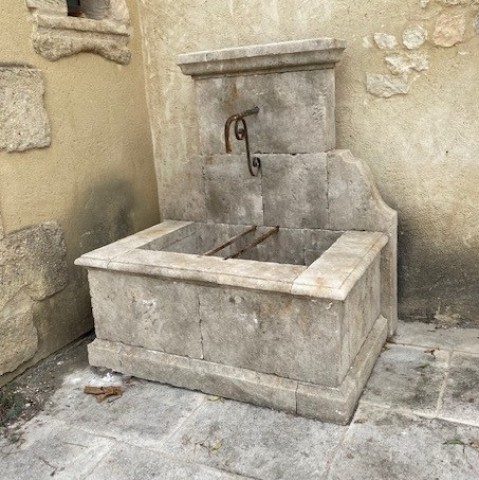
285,291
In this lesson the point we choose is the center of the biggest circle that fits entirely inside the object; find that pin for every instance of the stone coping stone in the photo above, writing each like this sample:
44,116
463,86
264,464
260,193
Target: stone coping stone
324,403
332,276
311,54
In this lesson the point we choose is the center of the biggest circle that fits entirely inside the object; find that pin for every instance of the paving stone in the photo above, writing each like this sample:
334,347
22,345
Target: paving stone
144,414
256,442
461,398
148,465
384,445
430,336
52,449
407,378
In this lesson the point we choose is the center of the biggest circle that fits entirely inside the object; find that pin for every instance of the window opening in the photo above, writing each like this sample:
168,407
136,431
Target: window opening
74,8
93,9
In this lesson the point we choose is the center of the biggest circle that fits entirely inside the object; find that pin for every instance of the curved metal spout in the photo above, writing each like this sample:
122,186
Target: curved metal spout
241,133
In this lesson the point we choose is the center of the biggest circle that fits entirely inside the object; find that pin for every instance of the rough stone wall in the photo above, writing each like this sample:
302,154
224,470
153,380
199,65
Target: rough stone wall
84,179
406,103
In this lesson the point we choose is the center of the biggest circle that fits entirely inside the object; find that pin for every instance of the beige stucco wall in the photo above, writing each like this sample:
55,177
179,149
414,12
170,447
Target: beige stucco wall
421,146
96,179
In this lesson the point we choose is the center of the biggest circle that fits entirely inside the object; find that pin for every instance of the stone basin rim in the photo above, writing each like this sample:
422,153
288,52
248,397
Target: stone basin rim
316,281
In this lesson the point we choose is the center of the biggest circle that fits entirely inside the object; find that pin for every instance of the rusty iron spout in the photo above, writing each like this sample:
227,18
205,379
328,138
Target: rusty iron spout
241,133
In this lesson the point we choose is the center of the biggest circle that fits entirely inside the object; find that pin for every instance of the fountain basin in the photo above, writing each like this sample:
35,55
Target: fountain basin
293,323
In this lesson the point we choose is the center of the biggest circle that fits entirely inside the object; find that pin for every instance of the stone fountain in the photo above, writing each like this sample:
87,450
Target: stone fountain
284,296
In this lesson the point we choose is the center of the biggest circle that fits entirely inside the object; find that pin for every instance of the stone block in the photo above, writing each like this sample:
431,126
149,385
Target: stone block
386,86
294,189
276,334
358,205
296,55
338,404
363,306
186,201
48,7
147,312
354,200
32,268
19,338
337,271
223,380
232,194
35,257
24,121
302,98
57,35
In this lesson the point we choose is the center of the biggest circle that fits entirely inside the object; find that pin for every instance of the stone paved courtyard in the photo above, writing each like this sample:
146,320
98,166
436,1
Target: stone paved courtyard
418,419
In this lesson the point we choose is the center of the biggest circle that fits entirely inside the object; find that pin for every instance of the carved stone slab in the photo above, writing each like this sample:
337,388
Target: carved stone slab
23,118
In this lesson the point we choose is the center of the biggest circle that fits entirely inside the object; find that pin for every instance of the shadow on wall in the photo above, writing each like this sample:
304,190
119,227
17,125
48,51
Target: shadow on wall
107,214
437,285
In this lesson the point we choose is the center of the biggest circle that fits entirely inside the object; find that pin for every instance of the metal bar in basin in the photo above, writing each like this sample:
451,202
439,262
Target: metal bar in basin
230,241
259,240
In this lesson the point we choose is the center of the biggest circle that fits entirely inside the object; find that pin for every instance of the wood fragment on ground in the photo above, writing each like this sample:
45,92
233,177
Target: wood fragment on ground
101,393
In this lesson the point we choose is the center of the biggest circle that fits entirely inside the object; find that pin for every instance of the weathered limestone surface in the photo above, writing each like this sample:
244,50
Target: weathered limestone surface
55,35
385,41
285,80
414,37
329,404
363,307
248,330
32,268
19,338
399,63
306,96
338,405
48,7
243,385
276,334
232,195
386,86
449,30
294,190
24,121
274,57
358,205
155,314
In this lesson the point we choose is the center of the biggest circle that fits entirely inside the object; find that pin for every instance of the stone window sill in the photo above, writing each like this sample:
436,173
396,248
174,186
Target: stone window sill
57,35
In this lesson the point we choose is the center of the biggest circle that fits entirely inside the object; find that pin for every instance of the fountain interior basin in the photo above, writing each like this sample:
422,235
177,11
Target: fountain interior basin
292,323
